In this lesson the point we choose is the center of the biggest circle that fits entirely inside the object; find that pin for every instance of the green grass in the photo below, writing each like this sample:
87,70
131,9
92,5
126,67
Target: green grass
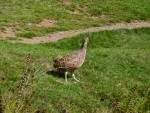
114,77
19,13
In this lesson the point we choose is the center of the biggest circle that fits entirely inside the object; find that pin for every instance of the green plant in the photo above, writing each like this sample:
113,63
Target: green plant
18,99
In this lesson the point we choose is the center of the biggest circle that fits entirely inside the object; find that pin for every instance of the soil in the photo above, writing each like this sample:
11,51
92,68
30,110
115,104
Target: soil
7,33
47,23
67,2
68,34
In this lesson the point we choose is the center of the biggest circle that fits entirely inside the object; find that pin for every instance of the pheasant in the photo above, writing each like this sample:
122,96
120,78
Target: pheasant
71,61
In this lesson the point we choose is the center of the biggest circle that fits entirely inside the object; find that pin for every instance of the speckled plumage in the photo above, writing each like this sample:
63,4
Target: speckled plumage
71,61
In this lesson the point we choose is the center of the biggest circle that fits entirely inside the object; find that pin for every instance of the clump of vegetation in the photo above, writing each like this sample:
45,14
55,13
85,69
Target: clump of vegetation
95,11
28,34
18,99
137,100
1,106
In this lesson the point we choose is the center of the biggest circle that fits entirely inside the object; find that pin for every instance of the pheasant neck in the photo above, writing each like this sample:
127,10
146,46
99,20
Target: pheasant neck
84,45
83,48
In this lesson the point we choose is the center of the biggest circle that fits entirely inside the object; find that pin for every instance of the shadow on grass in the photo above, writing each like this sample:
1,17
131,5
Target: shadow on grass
55,73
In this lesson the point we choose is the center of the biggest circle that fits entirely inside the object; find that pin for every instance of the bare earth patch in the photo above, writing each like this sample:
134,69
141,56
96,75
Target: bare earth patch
7,33
102,16
10,35
76,11
47,23
66,2
68,34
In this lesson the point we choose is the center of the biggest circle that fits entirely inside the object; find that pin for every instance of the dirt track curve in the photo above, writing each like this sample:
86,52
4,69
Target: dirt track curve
68,34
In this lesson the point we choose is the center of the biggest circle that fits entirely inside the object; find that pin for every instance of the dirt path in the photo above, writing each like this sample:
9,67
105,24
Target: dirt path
68,34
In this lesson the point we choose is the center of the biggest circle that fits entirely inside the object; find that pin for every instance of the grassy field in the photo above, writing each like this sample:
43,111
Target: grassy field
19,14
114,79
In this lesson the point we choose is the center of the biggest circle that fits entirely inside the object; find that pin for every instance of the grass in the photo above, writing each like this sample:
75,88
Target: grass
20,13
114,78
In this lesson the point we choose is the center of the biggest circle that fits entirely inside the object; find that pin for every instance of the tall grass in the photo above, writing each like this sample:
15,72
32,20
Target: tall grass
19,98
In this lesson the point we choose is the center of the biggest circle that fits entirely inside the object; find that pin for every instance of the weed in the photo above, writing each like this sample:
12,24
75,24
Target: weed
18,100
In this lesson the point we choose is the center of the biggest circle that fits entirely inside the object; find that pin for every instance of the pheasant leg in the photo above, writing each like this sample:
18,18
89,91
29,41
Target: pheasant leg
75,78
66,73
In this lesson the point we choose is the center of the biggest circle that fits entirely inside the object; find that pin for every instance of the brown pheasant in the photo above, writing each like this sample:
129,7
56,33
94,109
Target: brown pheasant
72,61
